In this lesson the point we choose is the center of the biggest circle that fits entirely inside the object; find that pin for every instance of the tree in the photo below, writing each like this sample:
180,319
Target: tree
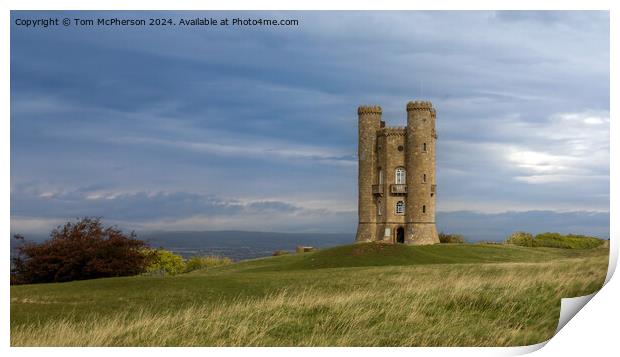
77,251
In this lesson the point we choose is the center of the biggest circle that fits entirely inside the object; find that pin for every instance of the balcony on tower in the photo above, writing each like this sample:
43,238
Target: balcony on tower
377,189
398,189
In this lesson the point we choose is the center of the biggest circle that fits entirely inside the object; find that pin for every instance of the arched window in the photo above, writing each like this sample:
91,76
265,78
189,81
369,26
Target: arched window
380,176
400,207
378,206
423,209
424,147
400,176
424,178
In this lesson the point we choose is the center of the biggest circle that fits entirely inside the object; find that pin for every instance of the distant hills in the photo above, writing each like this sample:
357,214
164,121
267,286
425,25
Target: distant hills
241,244
474,226
496,227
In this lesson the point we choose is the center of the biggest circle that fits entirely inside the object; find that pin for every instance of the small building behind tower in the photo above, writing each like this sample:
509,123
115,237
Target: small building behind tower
396,177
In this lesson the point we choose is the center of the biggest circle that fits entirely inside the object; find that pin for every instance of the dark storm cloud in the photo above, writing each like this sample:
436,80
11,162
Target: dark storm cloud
171,123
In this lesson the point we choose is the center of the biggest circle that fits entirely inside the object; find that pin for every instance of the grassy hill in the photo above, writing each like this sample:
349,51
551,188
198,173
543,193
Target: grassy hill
353,295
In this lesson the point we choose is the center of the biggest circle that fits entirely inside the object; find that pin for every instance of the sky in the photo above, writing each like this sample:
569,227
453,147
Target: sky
255,128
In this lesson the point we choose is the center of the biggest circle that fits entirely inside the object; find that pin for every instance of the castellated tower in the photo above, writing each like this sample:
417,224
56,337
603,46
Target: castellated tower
369,121
396,177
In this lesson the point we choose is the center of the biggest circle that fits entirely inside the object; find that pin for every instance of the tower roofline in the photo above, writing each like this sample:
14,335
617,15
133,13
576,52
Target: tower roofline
368,109
419,105
392,131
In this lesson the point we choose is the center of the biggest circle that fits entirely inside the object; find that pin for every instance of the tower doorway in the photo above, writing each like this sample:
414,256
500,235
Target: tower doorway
400,235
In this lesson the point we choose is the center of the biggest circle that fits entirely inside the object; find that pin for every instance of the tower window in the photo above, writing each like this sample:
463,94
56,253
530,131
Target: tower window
380,176
424,178
424,147
378,206
423,209
400,176
400,207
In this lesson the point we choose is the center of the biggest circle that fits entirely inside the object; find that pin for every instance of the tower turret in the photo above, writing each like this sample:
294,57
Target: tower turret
369,122
420,163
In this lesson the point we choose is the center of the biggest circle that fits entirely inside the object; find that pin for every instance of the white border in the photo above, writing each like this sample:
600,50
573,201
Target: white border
592,330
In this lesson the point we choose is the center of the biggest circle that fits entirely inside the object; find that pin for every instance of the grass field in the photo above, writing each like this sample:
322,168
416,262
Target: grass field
356,295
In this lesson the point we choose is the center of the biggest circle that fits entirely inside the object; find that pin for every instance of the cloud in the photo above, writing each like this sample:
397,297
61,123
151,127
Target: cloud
568,147
178,125
516,163
40,211
268,151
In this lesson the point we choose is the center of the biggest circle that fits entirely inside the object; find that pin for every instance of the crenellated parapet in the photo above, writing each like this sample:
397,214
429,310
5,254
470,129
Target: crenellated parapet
420,105
392,131
368,109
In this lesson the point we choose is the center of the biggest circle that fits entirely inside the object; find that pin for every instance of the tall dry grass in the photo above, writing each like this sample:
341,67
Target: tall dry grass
439,305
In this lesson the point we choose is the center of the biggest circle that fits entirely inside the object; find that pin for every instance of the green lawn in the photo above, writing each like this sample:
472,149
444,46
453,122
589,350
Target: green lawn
354,295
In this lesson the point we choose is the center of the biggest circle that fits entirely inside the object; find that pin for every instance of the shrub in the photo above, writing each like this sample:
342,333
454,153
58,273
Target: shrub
521,238
77,251
280,252
198,262
554,240
451,238
569,241
166,262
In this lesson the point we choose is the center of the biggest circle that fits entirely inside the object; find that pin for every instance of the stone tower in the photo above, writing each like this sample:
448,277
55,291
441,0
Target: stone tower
396,177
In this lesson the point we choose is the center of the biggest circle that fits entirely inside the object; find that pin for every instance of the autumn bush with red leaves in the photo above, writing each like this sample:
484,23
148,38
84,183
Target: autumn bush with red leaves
80,250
